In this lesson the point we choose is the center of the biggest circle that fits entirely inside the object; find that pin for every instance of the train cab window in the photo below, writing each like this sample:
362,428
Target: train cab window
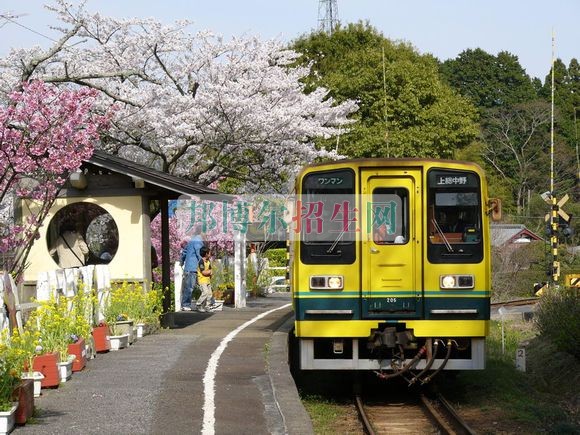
327,217
454,217
389,218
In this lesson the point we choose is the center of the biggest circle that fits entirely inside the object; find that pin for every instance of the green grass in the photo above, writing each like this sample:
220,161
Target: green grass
536,399
544,399
324,413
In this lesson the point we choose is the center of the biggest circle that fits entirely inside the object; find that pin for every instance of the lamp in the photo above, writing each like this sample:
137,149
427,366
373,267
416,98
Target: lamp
78,180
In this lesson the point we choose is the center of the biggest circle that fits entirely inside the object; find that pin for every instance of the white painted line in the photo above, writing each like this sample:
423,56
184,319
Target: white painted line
211,369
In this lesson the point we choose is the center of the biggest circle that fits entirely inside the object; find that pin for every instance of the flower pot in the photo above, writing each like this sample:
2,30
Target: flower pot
37,378
47,364
8,419
79,352
101,338
24,394
65,369
119,341
125,327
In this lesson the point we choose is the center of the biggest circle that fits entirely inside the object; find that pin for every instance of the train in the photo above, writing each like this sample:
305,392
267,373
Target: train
390,266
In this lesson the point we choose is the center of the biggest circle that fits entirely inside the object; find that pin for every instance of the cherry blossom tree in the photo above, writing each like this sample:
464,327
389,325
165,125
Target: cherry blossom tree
45,134
193,105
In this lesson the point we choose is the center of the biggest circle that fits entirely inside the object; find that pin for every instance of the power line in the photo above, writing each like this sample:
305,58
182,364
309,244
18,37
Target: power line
12,20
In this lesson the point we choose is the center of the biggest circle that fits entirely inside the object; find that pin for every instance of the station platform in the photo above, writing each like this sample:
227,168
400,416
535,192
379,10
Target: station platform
224,372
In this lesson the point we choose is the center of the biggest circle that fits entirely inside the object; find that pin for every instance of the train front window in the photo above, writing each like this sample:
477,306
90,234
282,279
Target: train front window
454,217
327,213
389,212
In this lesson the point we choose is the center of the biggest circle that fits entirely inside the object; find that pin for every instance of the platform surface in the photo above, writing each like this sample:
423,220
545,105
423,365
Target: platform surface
162,383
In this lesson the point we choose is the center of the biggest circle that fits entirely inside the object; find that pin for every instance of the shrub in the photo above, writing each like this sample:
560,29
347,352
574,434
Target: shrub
9,376
276,257
557,317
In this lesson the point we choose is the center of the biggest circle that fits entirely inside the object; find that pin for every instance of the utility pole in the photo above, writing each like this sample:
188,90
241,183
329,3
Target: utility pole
556,211
327,15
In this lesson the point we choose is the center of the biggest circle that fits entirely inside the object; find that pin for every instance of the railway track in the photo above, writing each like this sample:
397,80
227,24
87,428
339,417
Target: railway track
515,303
412,414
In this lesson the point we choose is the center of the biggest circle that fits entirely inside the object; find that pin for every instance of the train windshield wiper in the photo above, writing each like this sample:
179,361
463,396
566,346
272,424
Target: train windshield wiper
440,231
335,243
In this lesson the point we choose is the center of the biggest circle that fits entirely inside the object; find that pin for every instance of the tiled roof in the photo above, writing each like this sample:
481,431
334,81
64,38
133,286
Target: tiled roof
161,179
506,233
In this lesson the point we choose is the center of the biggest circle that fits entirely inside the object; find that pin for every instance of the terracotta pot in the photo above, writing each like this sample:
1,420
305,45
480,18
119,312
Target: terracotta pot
101,338
24,394
80,353
47,364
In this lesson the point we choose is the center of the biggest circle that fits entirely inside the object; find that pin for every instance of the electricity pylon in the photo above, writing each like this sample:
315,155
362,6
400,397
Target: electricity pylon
327,15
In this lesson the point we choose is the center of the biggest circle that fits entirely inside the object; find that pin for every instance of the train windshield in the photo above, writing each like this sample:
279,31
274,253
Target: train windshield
327,217
454,217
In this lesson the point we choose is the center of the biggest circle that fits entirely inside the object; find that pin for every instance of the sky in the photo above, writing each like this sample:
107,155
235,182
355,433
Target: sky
443,28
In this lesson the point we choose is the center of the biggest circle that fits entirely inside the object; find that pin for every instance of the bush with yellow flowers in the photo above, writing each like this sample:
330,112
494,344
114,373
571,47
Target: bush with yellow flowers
9,371
55,325
81,313
26,345
130,301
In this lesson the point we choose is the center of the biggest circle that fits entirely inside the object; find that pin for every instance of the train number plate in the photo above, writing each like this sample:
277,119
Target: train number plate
392,304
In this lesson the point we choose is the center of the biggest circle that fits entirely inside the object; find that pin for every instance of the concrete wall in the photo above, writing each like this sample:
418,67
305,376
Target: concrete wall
133,255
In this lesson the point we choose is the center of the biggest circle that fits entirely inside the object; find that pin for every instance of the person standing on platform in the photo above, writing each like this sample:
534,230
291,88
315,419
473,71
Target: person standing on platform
70,247
190,258
204,280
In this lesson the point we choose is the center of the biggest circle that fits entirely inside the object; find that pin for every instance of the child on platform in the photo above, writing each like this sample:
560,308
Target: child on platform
204,280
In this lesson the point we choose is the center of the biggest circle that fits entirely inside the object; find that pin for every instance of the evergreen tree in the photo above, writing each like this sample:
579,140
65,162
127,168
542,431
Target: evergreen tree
405,110
488,80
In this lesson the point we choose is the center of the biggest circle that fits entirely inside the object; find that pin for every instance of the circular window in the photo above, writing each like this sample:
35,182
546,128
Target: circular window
81,234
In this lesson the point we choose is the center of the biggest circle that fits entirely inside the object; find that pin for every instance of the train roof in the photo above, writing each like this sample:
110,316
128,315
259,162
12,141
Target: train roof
384,161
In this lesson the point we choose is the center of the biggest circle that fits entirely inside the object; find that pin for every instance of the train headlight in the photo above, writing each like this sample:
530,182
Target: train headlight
447,281
326,282
335,282
456,281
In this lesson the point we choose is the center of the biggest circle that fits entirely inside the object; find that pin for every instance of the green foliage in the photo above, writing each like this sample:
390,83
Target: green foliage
251,278
488,80
276,257
55,324
525,400
566,98
130,301
557,317
405,108
504,348
10,369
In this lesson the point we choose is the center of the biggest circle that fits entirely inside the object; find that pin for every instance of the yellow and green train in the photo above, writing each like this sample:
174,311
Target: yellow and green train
390,266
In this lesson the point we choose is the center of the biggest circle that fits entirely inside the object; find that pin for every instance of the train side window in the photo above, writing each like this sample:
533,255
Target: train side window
389,218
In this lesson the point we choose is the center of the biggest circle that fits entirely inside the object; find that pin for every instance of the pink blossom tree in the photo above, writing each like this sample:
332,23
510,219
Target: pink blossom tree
193,105
45,134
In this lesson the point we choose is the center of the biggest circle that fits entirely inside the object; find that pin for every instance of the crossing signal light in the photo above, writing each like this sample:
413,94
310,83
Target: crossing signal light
539,288
565,227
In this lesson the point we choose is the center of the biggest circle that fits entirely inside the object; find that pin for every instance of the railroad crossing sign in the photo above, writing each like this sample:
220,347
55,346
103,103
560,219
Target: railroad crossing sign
559,205
573,280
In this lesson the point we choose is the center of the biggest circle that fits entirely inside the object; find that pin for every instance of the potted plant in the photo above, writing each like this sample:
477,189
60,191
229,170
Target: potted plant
9,380
116,317
27,346
80,329
54,324
101,337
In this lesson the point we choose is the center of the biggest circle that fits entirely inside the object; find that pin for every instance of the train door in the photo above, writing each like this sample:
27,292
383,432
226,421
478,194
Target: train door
391,243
